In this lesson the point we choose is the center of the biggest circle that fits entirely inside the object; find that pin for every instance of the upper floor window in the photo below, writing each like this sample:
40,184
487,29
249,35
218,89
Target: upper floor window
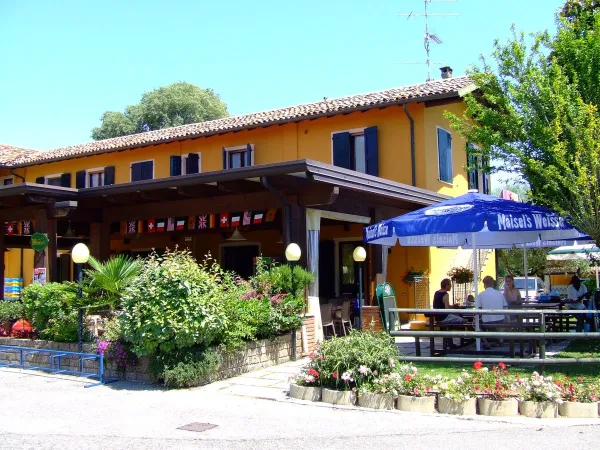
185,164
63,180
236,157
444,140
53,181
143,170
7,181
478,166
95,179
100,176
357,150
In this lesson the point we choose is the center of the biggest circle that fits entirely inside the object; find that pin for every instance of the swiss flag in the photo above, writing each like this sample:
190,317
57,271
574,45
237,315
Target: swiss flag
10,228
180,224
151,225
224,220
235,220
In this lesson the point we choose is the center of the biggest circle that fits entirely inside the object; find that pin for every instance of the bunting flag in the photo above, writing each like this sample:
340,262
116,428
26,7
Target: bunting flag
191,223
212,222
160,225
140,227
27,227
258,217
247,218
224,220
235,219
202,222
151,225
9,228
132,226
180,224
170,224
271,213
19,228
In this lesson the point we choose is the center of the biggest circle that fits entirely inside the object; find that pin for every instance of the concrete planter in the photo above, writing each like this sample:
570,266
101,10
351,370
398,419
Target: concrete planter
498,408
376,401
416,404
576,410
347,398
312,393
540,410
457,407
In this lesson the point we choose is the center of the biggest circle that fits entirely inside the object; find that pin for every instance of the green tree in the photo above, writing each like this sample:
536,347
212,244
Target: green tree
170,106
510,262
535,111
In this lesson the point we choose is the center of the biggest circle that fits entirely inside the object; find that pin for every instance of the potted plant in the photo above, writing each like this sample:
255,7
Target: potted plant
580,399
381,393
10,311
539,396
496,390
457,395
414,392
345,392
461,275
306,386
413,274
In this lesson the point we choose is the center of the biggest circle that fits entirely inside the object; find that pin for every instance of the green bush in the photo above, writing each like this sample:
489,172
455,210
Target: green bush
48,307
173,303
187,367
11,310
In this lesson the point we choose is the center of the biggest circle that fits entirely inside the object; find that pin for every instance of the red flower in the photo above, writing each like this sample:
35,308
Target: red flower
311,356
313,372
334,375
320,357
407,377
580,379
495,369
502,365
477,365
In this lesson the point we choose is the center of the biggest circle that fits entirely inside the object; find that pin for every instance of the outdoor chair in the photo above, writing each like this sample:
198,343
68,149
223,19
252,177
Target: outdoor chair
344,317
326,318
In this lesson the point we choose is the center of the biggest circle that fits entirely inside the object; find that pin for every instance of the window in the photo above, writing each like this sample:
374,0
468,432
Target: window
185,164
53,181
7,181
444,139
478,171
473,168
357,150
62,179
143,170
100,176
237,157
95,179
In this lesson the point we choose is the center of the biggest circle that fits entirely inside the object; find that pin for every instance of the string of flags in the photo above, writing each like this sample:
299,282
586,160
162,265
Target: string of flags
199,222
19,228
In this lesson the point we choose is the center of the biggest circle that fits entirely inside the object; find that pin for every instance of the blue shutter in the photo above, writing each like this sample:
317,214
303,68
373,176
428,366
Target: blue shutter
444,155
65,180
193,163
40,180
341,150
80,179
224,158
109,175
248,156
136,171
371,151
147,169
175,165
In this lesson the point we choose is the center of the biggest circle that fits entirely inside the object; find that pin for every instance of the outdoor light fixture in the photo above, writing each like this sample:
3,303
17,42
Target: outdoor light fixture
293,252
80,255
236,237
360,254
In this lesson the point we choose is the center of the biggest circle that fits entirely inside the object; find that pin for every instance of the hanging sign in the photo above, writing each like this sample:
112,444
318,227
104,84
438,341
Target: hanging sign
39,241
39,275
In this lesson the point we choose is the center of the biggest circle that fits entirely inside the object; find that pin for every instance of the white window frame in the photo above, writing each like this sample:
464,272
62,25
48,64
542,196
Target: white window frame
54,175
89,172
239,149
141,161
184,157
7,178
351,131
437,144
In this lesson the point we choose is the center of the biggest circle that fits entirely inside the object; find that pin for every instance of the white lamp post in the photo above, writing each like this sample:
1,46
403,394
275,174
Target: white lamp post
293,254
359,255
80,255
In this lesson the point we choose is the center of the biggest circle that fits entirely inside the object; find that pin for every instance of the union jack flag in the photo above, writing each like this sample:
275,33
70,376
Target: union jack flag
131,227
202,222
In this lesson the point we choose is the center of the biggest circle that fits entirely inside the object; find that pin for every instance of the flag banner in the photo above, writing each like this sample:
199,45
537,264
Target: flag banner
202,222
140,226
131,227
247,218
191,223
27,227
9,228
123,227
170,224
18,228
160,225
235,219
180,224
212,222
271,213
258,218
151,225
224,220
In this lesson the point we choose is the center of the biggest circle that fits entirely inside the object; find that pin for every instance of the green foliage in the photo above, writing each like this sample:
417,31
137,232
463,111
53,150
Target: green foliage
185,367
106,281
173,303
169,106
536,111
48,308
11,310
510,262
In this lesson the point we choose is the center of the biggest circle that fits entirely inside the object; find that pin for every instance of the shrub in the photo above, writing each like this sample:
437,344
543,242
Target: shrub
415,385
106,281
538,388
495,384
11,310
577,390
460,388
187,367
173,303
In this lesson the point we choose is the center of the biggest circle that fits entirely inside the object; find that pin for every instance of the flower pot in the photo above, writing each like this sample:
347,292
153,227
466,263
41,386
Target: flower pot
416,404
457,407
578,410
376,401
504,408
338,397
540,410
312,393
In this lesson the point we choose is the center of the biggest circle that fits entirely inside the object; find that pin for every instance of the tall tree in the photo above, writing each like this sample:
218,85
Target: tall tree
537,111
170,106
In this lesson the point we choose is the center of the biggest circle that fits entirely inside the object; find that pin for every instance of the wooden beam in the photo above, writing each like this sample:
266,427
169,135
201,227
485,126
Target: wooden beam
318,196
21,213
100,240
2,250
51,259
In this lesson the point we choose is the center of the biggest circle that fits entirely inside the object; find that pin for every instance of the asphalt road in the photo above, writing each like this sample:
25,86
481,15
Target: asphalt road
51,412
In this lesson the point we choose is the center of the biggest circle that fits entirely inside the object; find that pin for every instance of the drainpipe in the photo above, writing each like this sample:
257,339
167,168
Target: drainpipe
412,144
17,175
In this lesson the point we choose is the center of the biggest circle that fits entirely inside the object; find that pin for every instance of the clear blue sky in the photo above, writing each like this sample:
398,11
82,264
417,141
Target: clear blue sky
63,63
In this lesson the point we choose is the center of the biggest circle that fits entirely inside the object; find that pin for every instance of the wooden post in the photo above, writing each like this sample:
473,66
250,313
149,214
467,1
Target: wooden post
2,250
47,258
100,241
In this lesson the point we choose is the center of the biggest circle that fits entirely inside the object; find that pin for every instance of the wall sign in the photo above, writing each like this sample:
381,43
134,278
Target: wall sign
39,241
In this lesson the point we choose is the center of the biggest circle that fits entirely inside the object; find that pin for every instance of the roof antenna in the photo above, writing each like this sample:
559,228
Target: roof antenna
429,36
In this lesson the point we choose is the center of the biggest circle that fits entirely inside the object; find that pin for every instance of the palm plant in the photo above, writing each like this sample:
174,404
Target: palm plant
107,280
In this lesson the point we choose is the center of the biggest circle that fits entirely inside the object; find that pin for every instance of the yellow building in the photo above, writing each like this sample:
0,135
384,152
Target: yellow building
313,174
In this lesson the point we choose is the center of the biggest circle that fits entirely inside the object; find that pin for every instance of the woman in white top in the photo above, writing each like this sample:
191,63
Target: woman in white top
576,292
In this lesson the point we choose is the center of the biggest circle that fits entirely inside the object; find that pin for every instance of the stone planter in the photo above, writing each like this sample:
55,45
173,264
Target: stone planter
540,410
312,393
578,410
457,407
498,407
347,398
416,404
376,401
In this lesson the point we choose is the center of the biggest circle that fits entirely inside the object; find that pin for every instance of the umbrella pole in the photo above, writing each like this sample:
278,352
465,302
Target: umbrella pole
525,264
476,286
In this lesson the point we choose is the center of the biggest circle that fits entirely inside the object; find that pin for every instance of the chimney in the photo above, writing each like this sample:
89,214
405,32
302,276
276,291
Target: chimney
446,72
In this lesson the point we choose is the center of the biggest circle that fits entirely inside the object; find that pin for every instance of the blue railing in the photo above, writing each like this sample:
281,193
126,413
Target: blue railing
54,363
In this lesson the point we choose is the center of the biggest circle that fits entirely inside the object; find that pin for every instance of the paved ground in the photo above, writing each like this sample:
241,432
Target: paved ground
251,412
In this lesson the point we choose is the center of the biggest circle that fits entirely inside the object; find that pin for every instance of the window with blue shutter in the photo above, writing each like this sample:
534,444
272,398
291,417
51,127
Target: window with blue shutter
341,150
192,163
473,166
444,139
357,151
142,171
371,151
237,157
175,165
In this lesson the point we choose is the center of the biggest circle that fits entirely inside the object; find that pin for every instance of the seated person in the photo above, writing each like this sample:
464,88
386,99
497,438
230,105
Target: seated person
441,300
576,292
471,299
511,294
490,299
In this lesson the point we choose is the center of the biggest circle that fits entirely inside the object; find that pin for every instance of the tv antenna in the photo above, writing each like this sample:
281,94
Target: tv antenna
429,36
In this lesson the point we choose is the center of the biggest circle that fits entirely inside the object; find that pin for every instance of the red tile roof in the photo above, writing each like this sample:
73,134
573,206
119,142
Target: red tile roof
11,155
443,88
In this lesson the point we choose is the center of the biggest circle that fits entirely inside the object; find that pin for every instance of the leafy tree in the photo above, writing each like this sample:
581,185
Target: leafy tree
537,112
170,106
510,262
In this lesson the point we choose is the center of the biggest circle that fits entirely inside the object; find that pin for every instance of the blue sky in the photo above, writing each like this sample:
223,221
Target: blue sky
62,64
